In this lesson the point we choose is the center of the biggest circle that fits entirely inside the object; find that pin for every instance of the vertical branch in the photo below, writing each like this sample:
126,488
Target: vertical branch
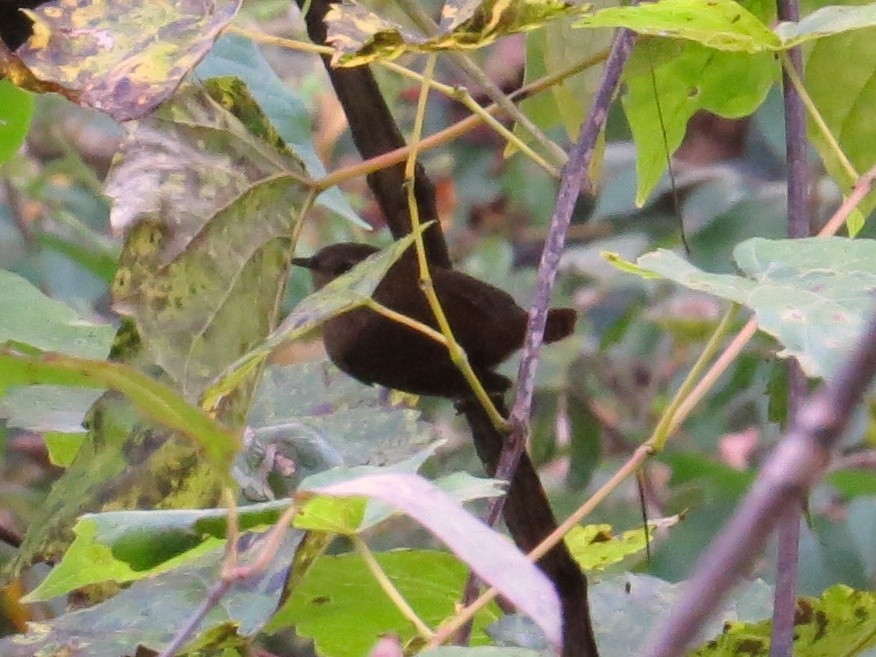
798,226
576,176
528,513
375,133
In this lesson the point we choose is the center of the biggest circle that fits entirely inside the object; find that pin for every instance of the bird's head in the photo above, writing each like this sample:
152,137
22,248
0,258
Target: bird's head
331,261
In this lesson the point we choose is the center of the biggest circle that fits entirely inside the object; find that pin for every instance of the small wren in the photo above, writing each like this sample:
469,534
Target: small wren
486,322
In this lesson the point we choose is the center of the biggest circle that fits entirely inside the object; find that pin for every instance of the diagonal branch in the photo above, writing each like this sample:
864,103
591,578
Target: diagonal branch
799,460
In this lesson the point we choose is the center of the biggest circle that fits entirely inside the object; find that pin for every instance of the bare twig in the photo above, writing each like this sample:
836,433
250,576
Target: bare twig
798,461
788,553
471,70
576,176
232,572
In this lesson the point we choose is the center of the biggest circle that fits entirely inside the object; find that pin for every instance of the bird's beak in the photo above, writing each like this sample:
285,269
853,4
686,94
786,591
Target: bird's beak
307,263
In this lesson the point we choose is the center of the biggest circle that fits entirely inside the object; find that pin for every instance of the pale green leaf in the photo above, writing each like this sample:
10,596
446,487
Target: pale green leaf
720,24
844,96
813,295
827,21
149,613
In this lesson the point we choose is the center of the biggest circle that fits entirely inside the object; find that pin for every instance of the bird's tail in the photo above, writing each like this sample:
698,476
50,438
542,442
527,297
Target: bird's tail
560,324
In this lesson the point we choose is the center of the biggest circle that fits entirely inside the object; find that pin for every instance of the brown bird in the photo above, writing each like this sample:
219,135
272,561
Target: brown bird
486,322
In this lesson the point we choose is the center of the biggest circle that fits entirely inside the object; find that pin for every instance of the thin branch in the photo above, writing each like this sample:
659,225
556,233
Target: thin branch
456,130
797,463
575,177
464,62
791,72
788,554
389,588
454,350
231,571
459,94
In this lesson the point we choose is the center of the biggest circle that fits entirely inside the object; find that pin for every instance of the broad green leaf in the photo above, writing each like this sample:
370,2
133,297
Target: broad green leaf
840,622
208,196
30,317
595,547
486,552
63,446
360,36
813,295
348,515
237,56
720,24
16,108
150,612
687,77
125,546
125,460
138,52
846,113
342,608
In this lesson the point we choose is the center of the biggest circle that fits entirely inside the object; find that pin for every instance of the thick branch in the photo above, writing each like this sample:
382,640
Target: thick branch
375,133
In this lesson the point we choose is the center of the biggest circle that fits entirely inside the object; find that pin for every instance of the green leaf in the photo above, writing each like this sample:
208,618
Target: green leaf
30,317
360,36
125,546
840,622
813,295
554,47
208,196
845,114
720,24
595,547
47,408
669,81
486,552
853,482
626,608
128,71
150,612
235,55
310,417
342,608
351,516
63,446
16,110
